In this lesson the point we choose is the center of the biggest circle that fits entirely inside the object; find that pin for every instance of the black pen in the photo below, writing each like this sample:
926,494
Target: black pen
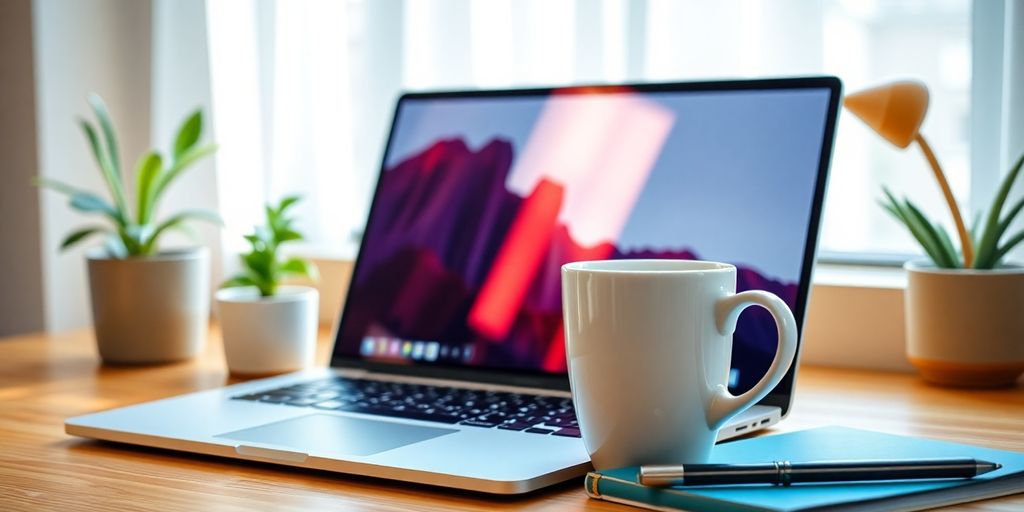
785,473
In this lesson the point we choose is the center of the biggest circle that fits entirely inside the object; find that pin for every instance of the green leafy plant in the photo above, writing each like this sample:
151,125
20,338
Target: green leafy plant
991,242
138,234
264,268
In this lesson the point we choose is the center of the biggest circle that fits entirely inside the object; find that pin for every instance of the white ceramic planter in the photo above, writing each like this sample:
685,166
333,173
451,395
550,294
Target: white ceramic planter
154,309
266,335
965,327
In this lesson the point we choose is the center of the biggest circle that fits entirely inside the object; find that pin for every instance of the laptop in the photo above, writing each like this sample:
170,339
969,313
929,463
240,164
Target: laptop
448,365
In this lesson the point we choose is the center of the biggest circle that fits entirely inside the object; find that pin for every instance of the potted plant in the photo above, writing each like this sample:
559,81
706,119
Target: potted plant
148,305
269,327
964,306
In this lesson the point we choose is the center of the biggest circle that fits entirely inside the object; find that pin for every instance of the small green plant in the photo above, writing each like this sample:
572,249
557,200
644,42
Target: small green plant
138,234
264,269
935,241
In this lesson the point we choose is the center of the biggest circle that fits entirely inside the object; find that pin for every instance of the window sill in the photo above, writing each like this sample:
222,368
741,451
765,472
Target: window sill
860,276
855,318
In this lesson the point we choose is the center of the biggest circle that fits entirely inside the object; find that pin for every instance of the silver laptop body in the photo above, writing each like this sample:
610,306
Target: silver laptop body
469,340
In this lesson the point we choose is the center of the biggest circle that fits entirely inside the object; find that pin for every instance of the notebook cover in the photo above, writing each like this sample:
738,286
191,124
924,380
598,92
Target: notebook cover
827,443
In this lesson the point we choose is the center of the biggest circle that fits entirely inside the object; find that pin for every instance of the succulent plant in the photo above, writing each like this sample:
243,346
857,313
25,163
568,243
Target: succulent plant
135,234
991,239
263,267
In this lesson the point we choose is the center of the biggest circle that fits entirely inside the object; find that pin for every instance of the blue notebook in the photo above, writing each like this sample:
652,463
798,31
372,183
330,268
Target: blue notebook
828,443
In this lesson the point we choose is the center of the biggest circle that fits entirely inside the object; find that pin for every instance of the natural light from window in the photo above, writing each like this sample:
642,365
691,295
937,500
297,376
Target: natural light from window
336,68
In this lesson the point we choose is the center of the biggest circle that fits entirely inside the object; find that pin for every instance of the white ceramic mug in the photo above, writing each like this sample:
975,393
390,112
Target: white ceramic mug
649,344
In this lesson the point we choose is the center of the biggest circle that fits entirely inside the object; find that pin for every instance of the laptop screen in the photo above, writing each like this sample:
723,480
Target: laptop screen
484,196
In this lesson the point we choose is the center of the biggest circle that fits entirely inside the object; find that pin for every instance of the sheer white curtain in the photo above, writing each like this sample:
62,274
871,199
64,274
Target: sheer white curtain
282,93
303,91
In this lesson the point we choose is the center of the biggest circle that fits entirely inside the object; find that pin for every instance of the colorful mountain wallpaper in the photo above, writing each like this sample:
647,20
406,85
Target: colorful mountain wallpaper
482,199
452,255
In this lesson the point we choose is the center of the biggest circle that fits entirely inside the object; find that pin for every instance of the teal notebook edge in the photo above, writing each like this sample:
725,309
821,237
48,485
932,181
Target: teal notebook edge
824,443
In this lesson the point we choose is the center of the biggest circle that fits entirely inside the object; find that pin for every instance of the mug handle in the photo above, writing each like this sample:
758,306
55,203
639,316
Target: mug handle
725,405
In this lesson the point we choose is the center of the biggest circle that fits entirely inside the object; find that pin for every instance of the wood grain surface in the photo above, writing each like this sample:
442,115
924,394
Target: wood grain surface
48,377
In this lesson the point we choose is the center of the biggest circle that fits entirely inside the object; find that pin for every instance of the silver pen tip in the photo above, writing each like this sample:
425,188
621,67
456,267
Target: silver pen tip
986,467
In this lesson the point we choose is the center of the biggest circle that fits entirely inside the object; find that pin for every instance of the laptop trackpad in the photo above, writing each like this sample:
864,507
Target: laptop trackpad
341,434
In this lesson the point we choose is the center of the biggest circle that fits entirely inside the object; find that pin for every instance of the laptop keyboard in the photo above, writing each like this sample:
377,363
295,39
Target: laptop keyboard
484,409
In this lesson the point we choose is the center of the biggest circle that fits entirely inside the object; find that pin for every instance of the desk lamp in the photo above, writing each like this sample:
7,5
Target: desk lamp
895,111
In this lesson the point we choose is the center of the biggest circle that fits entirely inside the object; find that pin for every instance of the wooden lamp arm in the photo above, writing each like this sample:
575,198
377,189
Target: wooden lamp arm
966,245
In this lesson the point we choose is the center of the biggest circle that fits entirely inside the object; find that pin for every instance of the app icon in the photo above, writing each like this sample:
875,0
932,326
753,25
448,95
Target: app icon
407,349
368,346
430,353
467,353
417,349
456,352
395,348
382,346
444,351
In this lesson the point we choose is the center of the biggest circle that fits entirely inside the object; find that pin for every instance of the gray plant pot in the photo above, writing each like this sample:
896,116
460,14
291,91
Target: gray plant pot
150,310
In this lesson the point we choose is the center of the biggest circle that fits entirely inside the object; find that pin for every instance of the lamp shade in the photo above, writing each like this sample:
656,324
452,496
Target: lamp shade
895,110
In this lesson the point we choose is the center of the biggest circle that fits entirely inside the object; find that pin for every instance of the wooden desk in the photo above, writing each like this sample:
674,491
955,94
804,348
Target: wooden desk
46,378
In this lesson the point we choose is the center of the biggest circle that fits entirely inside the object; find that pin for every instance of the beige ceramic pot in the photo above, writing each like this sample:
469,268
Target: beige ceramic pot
152,309
965,327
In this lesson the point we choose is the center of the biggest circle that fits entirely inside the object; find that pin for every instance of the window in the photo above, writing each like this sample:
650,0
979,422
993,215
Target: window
867,42
389,45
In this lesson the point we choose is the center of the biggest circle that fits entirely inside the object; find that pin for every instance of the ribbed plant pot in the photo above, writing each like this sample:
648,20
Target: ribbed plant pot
965,327
153,309
268,335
